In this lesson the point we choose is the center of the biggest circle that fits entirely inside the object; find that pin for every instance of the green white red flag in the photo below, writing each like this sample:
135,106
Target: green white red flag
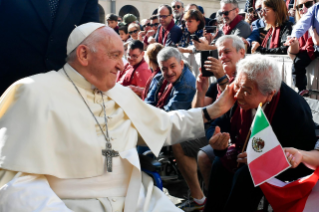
265,156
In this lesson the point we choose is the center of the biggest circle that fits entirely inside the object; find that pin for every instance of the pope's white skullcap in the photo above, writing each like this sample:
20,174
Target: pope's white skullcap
79,34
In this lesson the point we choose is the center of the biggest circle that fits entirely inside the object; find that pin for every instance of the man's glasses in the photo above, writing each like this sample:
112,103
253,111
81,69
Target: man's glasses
133,32
154,25
307,5
163,16
176,6
146,25
133,57
226,13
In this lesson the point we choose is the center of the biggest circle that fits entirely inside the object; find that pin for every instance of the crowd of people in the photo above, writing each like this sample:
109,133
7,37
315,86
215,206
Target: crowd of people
68,137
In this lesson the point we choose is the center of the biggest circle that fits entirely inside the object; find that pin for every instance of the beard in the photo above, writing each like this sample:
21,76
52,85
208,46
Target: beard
177,15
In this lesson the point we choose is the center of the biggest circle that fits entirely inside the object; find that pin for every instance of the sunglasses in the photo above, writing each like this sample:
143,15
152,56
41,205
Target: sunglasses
146,25
133,32
154,25
258,10
307,5
176,6
226,13
163,16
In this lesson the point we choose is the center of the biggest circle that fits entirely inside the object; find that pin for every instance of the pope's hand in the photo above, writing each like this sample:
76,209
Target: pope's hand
294,156
242,157
219,141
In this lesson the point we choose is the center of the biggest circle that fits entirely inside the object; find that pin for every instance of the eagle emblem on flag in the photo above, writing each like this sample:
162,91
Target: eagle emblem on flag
258,144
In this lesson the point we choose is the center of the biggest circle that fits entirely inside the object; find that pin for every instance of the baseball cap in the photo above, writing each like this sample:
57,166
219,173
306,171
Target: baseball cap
111,17
129,18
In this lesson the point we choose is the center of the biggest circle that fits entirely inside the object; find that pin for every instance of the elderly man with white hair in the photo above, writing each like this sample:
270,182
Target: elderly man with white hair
68,138
258,81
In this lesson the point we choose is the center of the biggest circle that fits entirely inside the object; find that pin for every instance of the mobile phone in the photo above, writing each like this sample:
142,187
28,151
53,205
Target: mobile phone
204,55
211,29
194,37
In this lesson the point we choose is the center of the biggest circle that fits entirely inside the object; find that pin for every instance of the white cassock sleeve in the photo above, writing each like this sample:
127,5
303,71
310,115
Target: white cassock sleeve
30,192
185,125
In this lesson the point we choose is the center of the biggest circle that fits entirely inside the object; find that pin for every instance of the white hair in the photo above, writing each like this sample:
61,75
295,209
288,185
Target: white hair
237,41
263,71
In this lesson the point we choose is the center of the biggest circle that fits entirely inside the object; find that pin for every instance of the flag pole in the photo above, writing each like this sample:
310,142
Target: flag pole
245,144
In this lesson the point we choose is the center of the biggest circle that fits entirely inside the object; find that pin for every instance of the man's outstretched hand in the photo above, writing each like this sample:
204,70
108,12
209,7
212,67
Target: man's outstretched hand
219,141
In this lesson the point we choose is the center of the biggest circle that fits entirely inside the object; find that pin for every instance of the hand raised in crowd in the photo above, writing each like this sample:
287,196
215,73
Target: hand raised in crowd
254,46
141,35
202,83
294,156
150,33
151,40
214,65
242,157
219,141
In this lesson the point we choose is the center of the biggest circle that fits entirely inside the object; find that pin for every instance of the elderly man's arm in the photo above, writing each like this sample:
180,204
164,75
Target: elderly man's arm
29,192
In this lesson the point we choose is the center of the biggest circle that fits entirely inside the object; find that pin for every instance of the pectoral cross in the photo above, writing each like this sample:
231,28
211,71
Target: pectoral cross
109,153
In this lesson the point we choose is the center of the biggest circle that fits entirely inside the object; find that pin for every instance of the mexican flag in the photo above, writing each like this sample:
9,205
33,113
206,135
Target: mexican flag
265,156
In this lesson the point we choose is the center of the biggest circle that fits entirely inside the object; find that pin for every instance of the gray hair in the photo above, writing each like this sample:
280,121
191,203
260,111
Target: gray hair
233,2
179,2
168,52
237,41
263,71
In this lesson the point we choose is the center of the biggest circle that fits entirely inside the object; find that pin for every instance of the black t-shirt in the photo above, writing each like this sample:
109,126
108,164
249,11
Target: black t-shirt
212,91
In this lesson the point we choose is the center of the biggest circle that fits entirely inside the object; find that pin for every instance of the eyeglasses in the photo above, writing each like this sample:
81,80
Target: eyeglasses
307,5
176,6
226,13
133,57
133,32
146,25
154,25
163,16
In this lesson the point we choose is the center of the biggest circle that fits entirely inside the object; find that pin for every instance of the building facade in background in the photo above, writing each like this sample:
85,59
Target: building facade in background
145,8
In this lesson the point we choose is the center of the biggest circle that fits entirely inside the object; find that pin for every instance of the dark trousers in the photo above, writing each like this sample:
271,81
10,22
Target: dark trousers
228,192
301,61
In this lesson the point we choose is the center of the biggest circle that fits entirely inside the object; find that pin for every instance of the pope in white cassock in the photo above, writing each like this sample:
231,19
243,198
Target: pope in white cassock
68,138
